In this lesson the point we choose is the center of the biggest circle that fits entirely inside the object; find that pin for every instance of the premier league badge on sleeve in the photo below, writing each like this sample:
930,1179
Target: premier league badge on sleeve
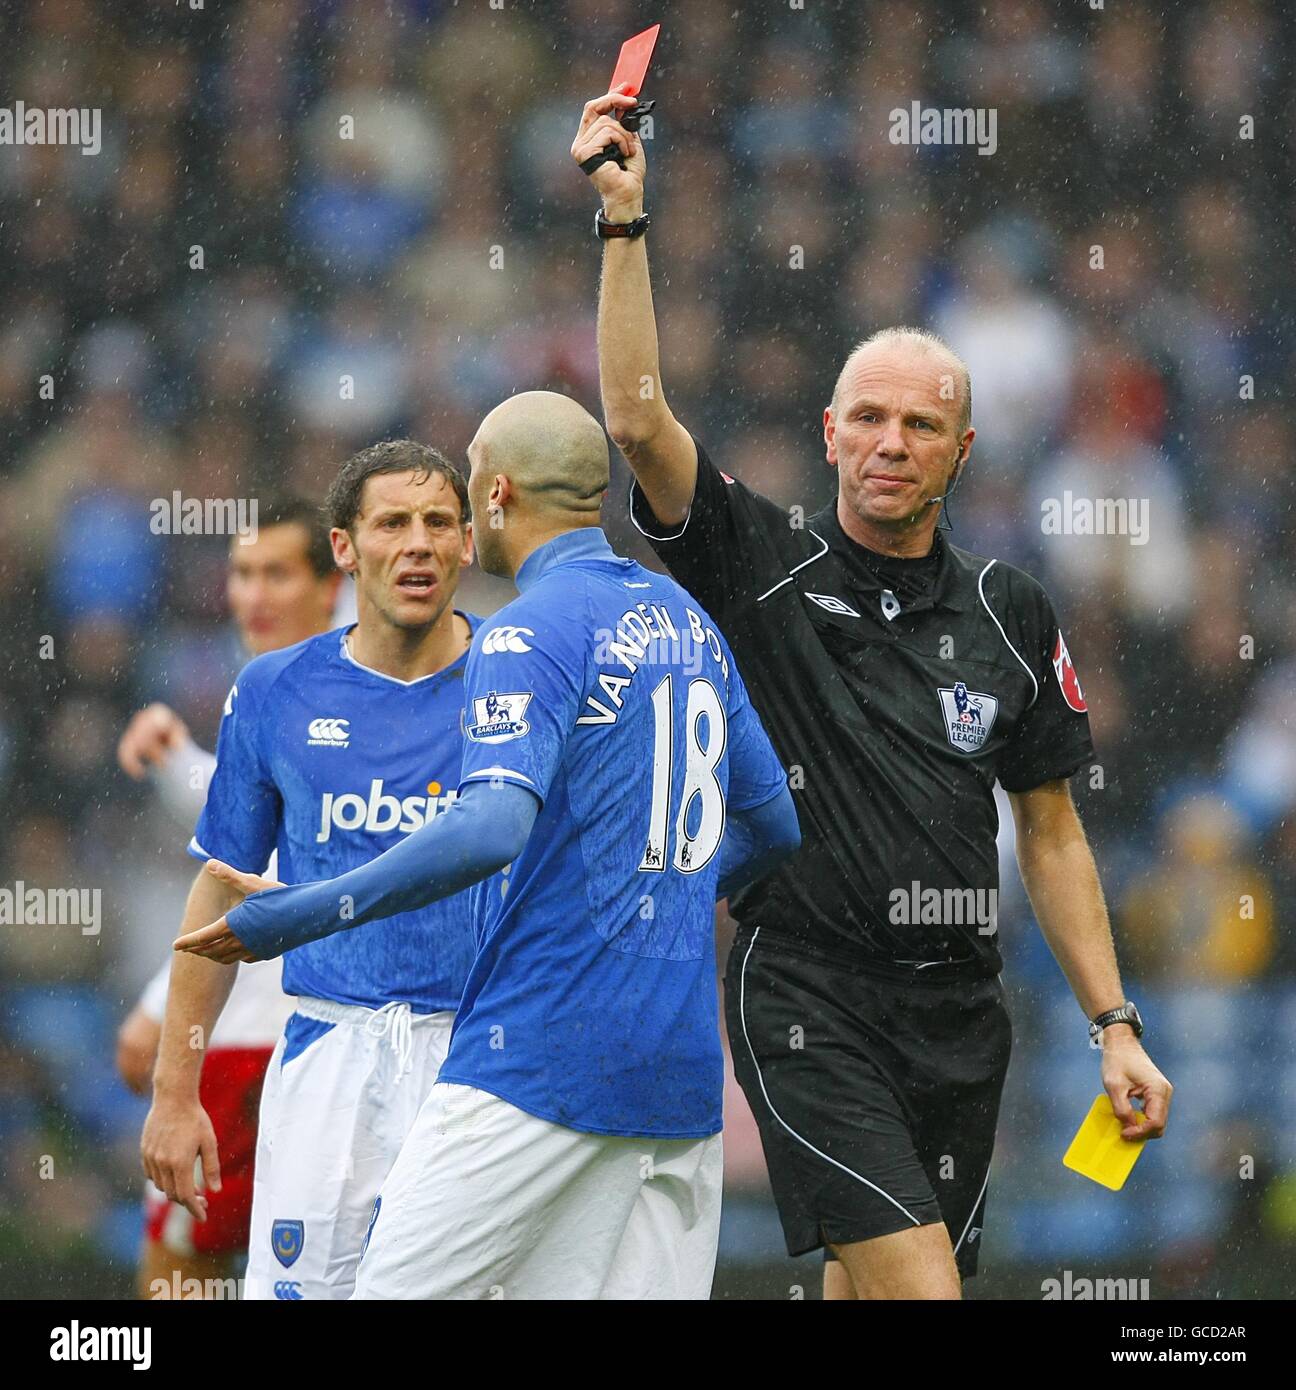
498,718
969,716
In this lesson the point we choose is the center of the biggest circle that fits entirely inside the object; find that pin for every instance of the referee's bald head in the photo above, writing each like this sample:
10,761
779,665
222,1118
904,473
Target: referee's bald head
553,455
918,342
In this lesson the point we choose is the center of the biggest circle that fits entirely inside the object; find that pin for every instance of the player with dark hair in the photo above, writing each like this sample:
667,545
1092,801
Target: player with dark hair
331,751
345,498
281,587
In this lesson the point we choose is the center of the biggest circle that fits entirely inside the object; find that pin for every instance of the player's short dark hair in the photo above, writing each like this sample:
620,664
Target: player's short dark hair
342,505
288,509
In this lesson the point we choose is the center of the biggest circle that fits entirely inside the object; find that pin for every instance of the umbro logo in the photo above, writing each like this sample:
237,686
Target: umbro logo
834,604
328,733
506,639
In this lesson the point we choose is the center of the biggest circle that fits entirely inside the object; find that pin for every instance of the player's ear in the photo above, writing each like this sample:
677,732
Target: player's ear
830,435
343,551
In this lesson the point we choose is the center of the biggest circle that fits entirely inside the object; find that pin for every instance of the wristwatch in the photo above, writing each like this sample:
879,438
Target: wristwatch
605,229
1127,1013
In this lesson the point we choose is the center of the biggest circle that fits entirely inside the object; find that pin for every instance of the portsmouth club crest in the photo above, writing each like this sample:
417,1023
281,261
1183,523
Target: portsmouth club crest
498,718
969,716
286,1240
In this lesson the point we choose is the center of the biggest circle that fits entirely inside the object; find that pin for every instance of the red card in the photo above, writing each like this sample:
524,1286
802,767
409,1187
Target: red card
632,65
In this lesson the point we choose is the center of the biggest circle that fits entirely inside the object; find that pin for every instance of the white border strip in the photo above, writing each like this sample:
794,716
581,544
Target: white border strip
344,650
634,520
1002,633
973,1212
793,570
492,773
742,1014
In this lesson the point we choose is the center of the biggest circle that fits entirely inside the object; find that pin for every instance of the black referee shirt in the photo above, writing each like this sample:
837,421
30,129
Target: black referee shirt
896,693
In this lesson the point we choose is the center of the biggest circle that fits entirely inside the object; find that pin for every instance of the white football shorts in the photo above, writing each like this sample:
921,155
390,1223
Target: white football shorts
487,1201
344,1087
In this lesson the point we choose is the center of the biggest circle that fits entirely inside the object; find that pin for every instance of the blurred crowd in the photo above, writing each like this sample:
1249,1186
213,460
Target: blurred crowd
297,195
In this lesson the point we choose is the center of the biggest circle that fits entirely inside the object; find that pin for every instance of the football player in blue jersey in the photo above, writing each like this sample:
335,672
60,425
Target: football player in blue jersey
330,752
282,587
615,780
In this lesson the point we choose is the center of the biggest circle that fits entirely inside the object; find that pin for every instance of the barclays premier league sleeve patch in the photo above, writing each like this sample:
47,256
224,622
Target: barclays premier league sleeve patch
1068,681
497,718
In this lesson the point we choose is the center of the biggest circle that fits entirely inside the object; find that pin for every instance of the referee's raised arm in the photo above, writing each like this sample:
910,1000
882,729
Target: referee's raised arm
659,449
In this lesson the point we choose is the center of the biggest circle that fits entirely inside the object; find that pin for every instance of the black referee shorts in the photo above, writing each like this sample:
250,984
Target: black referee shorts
876,1093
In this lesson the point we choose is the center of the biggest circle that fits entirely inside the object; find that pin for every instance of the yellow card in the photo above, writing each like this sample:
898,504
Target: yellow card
1099,1152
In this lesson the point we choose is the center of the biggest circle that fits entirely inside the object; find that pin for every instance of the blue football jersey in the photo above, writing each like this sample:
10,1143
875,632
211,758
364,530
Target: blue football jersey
332,763
606,690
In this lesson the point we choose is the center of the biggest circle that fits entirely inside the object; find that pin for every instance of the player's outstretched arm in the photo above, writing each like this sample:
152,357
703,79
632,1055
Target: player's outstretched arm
177,1130
658,447
485,828
1062,882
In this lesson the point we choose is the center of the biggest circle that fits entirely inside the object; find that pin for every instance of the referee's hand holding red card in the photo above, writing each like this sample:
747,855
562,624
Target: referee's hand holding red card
621,189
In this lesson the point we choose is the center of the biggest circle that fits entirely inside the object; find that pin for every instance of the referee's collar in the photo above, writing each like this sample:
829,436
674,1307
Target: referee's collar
584,543
946,590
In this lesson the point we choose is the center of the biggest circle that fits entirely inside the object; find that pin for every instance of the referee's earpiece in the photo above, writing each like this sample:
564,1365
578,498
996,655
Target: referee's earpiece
957,471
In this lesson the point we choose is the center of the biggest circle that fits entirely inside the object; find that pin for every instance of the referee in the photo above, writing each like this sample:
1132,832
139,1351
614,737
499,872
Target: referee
899,678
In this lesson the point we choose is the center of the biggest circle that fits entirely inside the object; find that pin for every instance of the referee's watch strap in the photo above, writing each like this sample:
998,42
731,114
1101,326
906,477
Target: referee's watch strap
606,230
1127,1013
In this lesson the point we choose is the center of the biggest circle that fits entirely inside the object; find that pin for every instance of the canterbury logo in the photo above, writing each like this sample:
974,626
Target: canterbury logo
506,639
331,732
